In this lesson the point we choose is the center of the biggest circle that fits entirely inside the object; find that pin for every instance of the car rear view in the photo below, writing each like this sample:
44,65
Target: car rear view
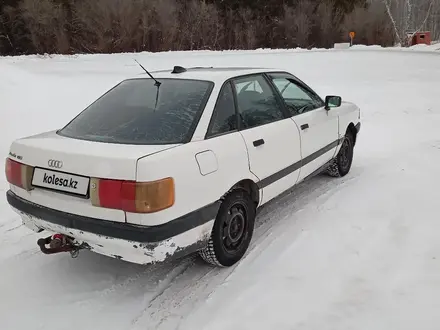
81,180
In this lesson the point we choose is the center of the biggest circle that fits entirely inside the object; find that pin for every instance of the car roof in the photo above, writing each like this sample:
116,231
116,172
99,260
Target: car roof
215,74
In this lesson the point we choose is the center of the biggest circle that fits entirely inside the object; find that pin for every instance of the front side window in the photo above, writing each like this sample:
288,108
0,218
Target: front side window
138,112
297,98
256,101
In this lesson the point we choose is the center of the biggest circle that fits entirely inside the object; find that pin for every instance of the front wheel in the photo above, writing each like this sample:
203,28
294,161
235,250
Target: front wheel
232,231
341,164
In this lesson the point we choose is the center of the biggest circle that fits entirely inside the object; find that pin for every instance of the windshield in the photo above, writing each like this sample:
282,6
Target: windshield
138,112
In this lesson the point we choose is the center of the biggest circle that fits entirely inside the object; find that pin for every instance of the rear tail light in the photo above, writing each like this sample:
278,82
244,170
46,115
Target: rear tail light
131,196
19,174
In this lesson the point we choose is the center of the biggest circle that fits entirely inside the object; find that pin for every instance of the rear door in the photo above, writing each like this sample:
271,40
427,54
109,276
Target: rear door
318,127
272,138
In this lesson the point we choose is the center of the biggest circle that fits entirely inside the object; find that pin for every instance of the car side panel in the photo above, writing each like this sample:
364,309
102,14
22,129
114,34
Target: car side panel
203,172
276,162
348,113
318,141
318,128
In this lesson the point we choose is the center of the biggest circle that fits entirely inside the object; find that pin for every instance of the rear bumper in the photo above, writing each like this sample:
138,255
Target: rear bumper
134,243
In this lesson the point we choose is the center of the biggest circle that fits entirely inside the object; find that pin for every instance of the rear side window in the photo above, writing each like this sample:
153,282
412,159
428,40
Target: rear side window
138,112
224,118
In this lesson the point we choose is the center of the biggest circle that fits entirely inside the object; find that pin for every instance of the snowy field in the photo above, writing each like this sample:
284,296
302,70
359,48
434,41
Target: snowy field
361,253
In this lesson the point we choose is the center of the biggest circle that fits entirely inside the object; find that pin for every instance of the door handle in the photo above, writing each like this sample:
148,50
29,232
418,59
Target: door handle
258,142
304,126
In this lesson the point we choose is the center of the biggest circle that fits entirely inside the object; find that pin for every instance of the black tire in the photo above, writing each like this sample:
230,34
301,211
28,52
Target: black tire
341,164
232,231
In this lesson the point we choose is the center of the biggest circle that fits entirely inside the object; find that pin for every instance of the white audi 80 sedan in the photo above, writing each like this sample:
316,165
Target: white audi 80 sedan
176,162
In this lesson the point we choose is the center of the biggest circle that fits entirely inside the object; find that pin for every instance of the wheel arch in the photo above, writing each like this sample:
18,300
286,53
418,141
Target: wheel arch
352,129
250,187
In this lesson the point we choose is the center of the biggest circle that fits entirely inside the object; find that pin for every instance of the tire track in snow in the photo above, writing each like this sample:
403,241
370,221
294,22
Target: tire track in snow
25,254
148,278
180,297
167,283
185,294
12,238
14,228
9,221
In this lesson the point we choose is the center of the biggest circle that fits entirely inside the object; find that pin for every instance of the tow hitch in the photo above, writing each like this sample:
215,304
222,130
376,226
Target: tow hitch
59,243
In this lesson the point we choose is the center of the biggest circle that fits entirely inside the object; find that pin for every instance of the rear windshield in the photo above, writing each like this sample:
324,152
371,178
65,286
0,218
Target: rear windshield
138,112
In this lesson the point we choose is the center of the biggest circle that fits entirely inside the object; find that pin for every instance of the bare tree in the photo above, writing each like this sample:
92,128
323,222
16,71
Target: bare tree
112,25
371,24
404,18
200,25
46,22
245,29
329,22
108,26
432,23
298,23
249,26
288,22
166,23
3,30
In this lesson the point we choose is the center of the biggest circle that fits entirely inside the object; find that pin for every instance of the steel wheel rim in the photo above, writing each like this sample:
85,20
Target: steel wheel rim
344,155
234,228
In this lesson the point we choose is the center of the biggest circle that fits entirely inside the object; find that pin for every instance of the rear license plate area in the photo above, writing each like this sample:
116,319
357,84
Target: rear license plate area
61,182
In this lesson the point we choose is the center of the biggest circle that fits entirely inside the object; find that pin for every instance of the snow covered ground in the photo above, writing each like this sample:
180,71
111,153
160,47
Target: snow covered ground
362,252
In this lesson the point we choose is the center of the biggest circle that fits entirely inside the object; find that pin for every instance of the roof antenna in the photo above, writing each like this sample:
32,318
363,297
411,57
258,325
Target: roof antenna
156,82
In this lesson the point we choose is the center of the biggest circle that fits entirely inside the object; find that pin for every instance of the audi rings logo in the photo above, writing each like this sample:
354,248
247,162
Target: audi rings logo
55,163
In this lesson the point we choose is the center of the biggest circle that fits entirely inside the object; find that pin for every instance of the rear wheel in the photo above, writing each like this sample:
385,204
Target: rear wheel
341,164
232,231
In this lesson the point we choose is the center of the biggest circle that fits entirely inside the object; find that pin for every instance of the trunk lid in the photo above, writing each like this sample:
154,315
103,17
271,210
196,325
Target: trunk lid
65,186
85,158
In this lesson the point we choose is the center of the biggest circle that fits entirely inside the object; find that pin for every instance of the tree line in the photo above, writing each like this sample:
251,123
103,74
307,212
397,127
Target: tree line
109,26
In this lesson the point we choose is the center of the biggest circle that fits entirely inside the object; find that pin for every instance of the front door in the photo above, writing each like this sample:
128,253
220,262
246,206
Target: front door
318,127
272,138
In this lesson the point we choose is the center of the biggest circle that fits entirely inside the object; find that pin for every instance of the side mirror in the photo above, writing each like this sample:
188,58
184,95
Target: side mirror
332,101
